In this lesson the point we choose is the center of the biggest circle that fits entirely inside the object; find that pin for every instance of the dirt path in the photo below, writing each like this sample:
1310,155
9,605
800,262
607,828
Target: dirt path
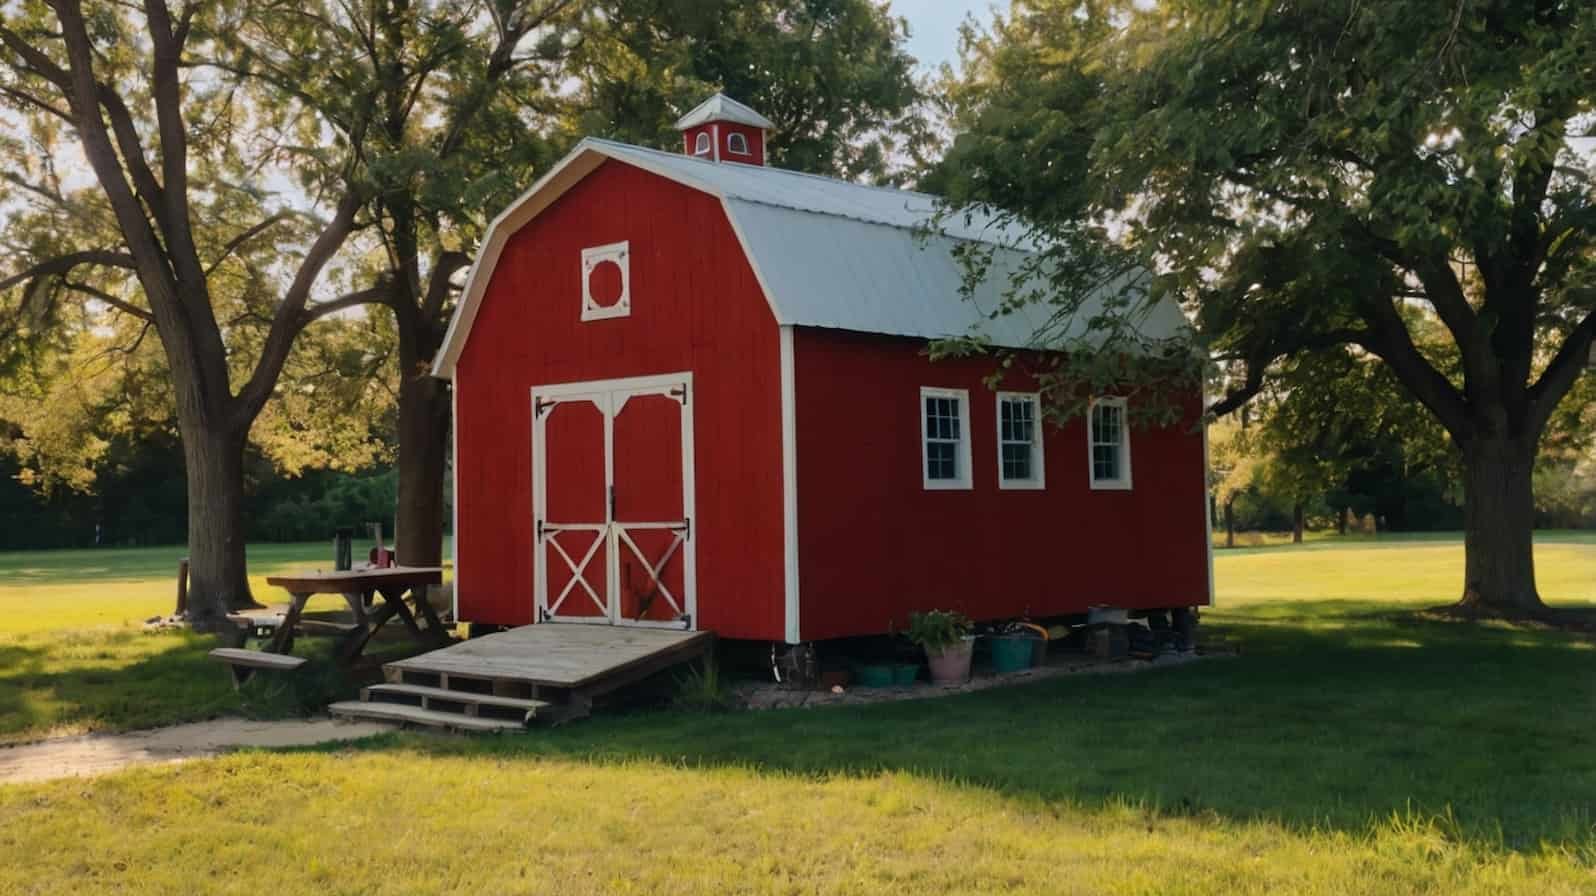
93,754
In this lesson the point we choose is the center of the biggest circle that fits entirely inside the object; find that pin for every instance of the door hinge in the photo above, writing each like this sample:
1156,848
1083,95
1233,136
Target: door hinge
687,621
680,393
544,615
541,405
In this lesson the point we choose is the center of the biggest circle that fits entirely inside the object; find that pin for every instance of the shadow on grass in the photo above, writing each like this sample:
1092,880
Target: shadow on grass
126,679
1340,720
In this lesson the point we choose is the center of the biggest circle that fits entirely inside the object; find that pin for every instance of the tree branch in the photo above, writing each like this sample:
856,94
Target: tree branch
1560,375
103,296
239,240
167,88
374,295
439,286
63,264
1389,339
289,318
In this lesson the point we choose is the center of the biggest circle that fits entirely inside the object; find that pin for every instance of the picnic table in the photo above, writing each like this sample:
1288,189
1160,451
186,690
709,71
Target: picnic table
359,587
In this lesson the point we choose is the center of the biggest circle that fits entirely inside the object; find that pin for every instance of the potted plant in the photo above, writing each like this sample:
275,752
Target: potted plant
945,637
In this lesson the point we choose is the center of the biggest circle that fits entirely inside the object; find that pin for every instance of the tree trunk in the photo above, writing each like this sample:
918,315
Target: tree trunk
423,460
218,577
1341,521
1296,523
1230,524
1499,524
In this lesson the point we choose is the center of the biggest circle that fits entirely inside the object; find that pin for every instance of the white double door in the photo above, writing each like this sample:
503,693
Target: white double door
612,505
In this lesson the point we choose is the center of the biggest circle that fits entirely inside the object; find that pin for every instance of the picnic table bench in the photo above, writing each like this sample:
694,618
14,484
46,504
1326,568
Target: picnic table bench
359,588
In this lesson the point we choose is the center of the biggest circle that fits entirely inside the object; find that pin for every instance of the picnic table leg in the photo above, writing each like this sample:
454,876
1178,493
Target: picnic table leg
359,603
434,624
395,597
360,637
283,640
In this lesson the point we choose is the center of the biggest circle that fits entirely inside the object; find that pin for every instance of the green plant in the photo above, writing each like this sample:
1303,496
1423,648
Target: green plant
701,689
937,630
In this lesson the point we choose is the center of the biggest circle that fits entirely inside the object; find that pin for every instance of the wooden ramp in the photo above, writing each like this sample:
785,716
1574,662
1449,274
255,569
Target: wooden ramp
549,673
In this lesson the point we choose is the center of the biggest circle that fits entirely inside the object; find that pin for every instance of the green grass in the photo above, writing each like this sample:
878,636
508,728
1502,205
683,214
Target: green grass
1350,748
74,656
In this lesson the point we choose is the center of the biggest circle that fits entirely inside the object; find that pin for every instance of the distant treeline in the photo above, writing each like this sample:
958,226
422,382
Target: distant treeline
138,499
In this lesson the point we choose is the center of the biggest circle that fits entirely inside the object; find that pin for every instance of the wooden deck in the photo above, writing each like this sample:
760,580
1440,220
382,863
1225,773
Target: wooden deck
550,672
565,655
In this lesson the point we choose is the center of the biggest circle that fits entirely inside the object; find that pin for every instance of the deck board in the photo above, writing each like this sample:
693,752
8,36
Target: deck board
557,654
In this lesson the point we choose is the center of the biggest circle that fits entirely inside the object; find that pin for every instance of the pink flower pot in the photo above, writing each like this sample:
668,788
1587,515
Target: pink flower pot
952,665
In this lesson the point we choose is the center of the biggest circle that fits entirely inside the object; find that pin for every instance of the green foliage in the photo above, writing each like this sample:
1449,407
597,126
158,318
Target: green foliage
936,630
311,509
701,688
832,74
1307,175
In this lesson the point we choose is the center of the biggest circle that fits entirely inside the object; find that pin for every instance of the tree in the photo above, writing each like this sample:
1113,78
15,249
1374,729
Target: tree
1309,175
477,99
832,74
180,231
1232,468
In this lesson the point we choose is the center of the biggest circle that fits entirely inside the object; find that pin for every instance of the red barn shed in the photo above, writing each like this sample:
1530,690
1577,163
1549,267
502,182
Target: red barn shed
692,391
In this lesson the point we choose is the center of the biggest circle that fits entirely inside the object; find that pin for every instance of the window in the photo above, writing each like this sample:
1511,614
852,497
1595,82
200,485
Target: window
738,144
607,281
1019,440
702,145
945,438
1108,444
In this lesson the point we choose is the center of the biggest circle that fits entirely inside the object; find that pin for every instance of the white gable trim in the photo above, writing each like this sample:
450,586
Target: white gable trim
567,173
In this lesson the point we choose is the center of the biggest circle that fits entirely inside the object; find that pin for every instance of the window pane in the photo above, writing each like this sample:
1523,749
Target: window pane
1016,461
941,460
1105,462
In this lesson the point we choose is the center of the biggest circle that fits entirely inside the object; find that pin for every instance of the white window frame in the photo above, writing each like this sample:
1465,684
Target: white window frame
962,452
621,254
1123,482
735,138
703,145
1038,477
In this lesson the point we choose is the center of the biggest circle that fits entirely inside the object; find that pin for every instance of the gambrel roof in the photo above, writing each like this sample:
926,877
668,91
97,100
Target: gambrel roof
827,253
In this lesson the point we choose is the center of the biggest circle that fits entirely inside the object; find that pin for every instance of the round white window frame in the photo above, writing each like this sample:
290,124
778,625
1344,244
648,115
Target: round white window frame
732,142
620,254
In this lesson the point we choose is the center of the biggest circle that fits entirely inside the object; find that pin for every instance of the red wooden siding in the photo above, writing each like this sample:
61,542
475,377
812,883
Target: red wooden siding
874,544
695,306
725,129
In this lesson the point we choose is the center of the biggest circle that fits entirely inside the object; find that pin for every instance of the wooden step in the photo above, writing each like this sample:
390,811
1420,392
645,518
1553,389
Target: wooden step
415,715
256,659
378,693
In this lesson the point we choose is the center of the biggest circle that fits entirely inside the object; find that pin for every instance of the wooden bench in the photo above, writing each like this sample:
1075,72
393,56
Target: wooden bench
243,663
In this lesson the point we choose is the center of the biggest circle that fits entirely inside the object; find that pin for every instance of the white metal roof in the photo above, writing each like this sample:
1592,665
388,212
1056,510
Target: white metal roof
721,107
828,253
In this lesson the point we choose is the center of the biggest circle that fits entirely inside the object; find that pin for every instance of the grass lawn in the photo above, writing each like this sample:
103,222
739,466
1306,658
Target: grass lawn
73,653
1349,749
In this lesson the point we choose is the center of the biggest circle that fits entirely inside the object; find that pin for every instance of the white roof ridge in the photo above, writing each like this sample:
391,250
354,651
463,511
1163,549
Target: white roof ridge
989,232
771,169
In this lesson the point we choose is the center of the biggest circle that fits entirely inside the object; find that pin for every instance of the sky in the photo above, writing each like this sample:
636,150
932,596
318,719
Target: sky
934,26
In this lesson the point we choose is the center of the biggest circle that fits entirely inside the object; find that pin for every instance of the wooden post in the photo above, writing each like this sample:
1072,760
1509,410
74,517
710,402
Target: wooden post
182,587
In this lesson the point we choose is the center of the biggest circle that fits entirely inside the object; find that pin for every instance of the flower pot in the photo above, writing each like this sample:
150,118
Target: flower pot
951,665
1012,653
873,676
905,673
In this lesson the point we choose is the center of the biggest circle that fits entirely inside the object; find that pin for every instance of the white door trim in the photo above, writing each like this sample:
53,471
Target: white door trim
610,397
